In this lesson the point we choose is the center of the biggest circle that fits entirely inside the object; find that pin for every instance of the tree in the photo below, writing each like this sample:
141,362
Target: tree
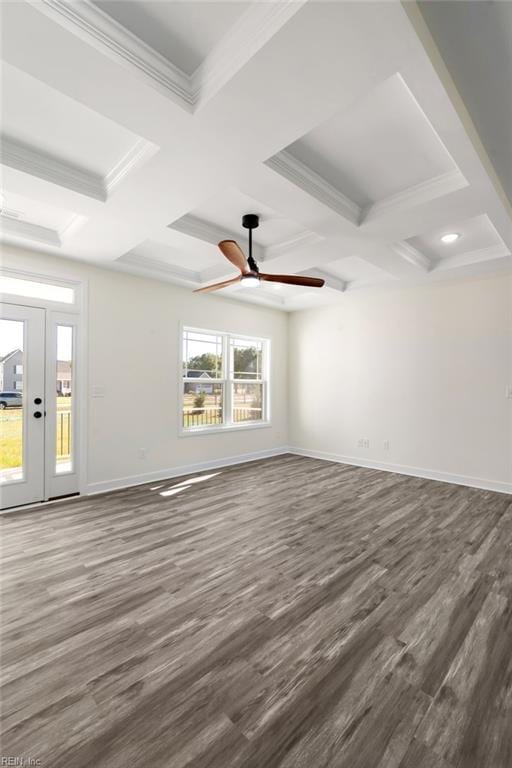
207,362
245,360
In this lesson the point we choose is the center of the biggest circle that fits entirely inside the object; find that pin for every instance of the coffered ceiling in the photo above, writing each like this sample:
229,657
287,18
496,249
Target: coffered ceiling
135,135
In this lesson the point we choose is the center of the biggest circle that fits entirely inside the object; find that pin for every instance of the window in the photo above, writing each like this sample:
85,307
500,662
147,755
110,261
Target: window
18,370
225,380
36,290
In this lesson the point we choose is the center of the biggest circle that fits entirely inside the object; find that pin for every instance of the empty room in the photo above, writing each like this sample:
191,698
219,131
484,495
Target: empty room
256,384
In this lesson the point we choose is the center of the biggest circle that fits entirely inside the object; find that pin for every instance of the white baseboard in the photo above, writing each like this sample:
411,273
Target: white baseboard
187,469
400,469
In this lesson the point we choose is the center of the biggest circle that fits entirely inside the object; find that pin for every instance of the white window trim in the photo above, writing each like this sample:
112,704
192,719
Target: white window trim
226,381
78,286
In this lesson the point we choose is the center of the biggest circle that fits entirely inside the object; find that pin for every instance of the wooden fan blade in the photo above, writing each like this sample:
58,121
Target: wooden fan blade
311,282
234,254
218,286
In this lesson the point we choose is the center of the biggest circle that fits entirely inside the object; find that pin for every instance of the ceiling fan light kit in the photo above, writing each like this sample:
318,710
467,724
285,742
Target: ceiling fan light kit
250,275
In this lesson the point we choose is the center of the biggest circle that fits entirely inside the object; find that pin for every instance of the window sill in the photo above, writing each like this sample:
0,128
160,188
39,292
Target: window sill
228,428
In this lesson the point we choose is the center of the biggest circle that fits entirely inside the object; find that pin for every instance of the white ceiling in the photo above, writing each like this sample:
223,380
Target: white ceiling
184,32
137,134
41,117
478,238
380,146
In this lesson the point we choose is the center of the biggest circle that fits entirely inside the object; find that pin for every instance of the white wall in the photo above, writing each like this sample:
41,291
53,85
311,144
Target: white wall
133,337
424,368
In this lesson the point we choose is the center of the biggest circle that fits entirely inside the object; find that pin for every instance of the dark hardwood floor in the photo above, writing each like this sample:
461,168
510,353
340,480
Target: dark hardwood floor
287,612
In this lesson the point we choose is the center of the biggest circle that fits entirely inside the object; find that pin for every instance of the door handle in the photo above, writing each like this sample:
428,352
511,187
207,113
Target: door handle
37,414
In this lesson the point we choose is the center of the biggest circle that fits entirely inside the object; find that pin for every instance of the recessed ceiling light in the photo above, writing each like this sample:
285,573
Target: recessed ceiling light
451,237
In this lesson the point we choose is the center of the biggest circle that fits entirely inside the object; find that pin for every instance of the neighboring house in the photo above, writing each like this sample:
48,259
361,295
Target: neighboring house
195,388
11,371
64,377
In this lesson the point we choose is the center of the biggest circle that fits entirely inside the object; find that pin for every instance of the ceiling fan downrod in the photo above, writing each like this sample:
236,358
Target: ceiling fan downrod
251,221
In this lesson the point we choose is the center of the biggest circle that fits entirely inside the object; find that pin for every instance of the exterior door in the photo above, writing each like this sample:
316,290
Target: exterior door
22,405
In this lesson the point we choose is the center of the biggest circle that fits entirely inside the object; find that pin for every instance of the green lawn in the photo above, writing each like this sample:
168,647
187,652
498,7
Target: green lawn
11,428
11,434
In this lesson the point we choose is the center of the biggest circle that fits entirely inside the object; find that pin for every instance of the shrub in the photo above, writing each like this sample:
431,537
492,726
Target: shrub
199,401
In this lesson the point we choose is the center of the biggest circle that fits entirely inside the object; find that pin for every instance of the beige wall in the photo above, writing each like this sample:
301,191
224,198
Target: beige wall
423,369
133,337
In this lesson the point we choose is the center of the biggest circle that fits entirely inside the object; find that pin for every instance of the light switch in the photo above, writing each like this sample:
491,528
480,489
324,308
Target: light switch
98,390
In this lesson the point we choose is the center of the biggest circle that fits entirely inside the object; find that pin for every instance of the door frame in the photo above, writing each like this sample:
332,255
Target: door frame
76,315
30,485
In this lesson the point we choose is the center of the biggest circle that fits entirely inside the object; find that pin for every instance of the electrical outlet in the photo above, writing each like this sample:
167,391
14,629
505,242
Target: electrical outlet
143,452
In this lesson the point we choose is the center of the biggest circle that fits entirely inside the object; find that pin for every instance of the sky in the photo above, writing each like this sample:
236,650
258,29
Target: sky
11,338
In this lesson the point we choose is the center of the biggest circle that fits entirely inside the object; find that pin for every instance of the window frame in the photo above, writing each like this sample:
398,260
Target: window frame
227,381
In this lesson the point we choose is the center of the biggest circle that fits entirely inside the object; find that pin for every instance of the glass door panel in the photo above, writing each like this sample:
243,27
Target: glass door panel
22,407
12,362
64,394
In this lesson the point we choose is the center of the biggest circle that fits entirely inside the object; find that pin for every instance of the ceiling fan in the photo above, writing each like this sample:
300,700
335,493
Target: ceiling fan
250,275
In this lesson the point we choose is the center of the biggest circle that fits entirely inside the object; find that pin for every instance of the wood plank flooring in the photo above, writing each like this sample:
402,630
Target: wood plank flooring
287,613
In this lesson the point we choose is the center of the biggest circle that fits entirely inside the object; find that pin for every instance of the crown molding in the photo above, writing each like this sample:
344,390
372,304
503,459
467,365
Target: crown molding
315,185
25,230
74,223
300,241
193,226
497,251
138,154
159,268
24,158
257,25
86,20
412,255
242,41
199,228
331,281
210,233
418,194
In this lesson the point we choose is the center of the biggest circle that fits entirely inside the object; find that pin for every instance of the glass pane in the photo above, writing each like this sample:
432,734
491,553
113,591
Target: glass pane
64,390
203,403
246,359
247,402
35,290
11,400
202,355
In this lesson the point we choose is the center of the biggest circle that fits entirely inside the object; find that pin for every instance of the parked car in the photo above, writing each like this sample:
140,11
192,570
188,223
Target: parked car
11,400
